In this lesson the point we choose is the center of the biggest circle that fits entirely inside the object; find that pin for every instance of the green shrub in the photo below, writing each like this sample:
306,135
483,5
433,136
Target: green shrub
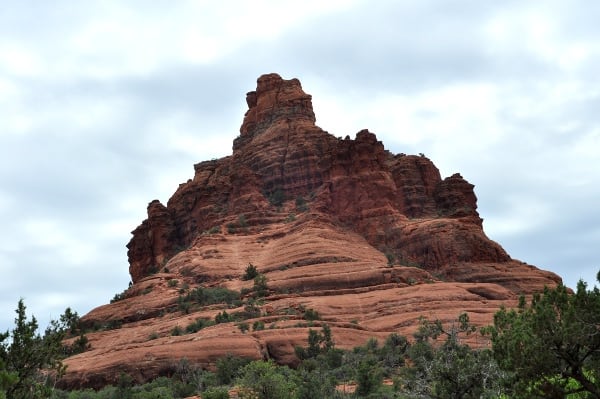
208,296
258,325
311,314
243,327
250,273
198,325
260,286
228,368
266,380
119,297
173,283
231,228
276,197
214,230
301,205
215,393
222,317
176,331
147,290
391,258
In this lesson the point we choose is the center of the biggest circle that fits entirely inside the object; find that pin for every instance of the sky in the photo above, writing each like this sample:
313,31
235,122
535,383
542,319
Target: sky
107,105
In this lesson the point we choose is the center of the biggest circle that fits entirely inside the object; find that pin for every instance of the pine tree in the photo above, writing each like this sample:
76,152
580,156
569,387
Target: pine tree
31,362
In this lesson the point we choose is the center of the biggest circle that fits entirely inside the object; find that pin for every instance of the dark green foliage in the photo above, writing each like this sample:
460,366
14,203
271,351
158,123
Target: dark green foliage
176,331
81,344
209,296
258,325
250,273
266,380
198,325
251,310
160,388
243,327
183,304
311,314
450,369
206,296
369,376
260,286
301,205
551,347
193,378
318,343
119,297
70,321
7,378
124,386
223,317
215,393
231,228
24,354
173,283
214,230
391,258
276,197
315,383
228,368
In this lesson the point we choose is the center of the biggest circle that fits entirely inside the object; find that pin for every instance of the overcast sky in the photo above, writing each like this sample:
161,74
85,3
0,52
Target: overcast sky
106,105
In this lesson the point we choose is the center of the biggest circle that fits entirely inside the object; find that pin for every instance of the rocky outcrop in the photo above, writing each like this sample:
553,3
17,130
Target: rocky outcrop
369,239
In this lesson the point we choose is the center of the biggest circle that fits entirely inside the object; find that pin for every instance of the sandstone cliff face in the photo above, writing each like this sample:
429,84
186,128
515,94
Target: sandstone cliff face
369,239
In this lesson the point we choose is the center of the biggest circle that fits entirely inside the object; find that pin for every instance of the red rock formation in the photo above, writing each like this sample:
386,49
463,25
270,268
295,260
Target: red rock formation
369,239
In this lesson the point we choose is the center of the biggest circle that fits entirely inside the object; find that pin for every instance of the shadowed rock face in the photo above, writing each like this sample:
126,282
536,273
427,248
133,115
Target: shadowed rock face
369,239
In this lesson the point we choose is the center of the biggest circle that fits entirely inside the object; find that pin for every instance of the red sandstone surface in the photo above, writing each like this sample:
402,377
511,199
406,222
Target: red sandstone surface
369,239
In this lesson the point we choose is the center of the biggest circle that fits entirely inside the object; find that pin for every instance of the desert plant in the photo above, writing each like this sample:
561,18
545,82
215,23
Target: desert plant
27,358
176,331
276,197
311,314
243,327
228,368
301,205
173,283
260,286
258,325
551,346
250,273
198,325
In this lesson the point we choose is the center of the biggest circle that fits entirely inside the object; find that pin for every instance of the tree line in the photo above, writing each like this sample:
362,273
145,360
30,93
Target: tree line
547,347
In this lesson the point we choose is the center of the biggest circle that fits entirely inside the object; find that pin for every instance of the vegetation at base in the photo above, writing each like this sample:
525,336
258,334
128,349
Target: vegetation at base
30,363
551,347
547,348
